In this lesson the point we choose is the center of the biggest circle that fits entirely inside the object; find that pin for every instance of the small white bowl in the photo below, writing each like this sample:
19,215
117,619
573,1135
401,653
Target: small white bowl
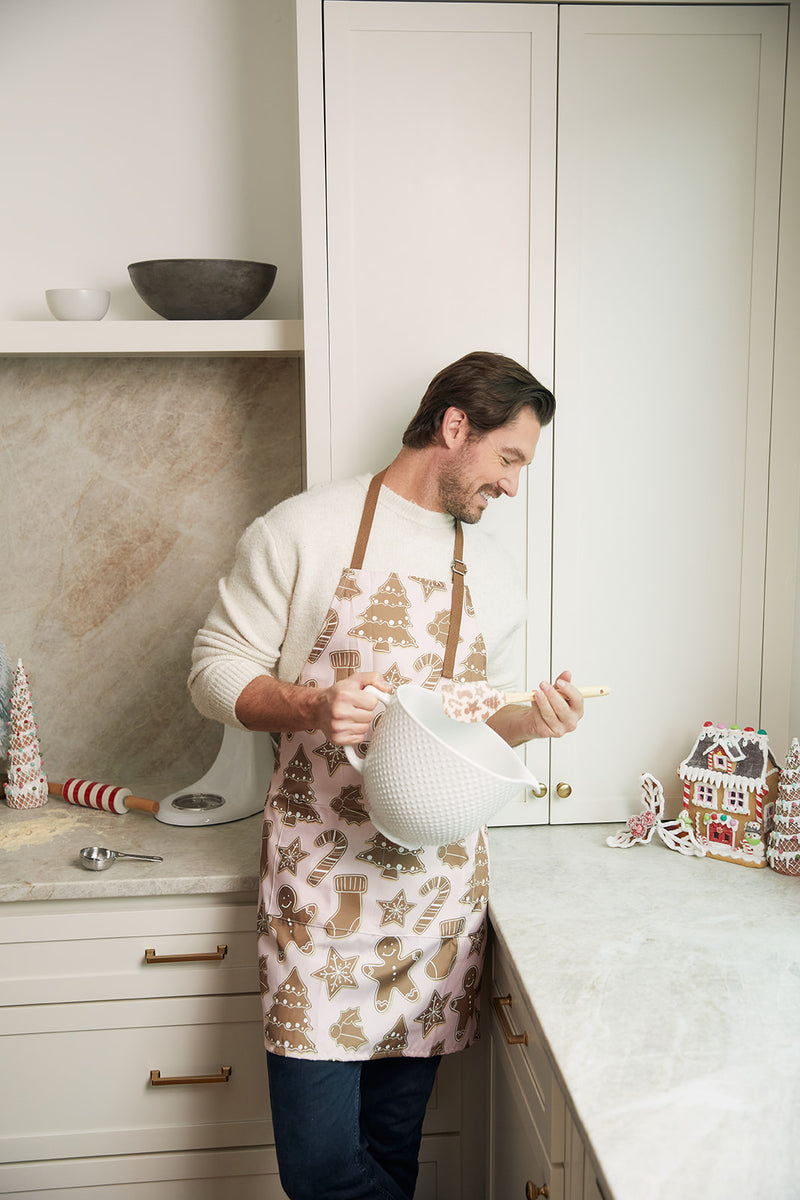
78,304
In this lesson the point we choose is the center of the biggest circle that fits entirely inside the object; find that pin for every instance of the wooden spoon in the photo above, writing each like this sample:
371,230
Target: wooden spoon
478,700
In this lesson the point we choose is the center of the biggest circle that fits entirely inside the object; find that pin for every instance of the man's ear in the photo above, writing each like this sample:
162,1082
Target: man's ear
454,427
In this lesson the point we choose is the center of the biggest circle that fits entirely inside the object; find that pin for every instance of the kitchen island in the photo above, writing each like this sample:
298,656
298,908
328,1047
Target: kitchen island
666,988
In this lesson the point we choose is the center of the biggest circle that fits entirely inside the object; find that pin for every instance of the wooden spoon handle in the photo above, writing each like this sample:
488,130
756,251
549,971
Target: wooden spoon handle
526,697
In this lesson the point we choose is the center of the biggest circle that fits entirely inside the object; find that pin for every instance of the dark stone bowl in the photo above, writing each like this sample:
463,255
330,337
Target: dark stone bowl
202,289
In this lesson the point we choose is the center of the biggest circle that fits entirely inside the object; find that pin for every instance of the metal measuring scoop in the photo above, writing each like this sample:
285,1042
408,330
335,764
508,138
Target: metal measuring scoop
97,858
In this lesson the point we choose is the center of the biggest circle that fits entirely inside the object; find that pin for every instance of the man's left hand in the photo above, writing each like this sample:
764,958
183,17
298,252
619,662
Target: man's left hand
556,709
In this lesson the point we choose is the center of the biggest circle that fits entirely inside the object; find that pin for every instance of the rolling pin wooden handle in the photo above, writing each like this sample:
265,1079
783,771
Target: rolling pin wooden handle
143,805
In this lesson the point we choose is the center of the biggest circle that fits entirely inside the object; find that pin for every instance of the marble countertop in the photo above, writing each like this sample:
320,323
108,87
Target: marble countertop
667,988
39,854
668,991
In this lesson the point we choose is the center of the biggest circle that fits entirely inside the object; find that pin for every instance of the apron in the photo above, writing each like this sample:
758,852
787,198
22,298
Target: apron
368,949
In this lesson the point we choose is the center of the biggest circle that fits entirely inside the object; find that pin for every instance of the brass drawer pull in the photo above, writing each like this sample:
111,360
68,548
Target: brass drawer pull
150,956
223,1077
501,1003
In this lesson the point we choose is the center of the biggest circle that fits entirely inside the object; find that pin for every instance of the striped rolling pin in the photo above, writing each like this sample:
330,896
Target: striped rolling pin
101,795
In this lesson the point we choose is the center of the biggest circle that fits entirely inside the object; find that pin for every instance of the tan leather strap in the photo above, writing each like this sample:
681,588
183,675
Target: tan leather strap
458,568
370,504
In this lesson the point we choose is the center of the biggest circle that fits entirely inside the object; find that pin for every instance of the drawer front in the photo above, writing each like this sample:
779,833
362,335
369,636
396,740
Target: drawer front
511,1020
216,952
84,1087
247,1174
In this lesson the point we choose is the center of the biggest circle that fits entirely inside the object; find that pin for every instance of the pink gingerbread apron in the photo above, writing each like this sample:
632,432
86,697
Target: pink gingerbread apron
368,949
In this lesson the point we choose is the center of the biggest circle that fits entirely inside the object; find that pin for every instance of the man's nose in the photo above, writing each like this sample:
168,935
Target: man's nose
509,484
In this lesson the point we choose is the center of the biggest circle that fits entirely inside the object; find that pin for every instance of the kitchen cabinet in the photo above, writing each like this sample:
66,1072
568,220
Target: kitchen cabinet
133,1055
536,1148
595,191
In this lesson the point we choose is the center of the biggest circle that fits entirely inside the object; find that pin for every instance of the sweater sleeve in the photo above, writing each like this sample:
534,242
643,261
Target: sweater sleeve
243,634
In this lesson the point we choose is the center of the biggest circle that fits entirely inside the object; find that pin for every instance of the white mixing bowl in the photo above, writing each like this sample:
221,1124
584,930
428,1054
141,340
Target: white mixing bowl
430,780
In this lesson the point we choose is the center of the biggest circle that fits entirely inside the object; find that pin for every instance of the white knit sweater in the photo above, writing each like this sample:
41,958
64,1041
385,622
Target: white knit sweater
272,605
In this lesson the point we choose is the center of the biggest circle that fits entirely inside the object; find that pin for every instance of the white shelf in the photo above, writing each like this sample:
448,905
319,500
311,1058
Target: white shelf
152,337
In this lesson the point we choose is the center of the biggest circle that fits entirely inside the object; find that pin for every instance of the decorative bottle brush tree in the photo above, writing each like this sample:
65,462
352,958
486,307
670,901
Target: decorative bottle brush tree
783,852
27,782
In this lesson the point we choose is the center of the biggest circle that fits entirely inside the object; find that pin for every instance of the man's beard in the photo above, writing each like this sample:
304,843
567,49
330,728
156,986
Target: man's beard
459,499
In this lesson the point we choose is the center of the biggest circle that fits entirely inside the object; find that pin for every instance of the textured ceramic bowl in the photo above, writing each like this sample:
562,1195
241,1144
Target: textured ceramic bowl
78,304
202,289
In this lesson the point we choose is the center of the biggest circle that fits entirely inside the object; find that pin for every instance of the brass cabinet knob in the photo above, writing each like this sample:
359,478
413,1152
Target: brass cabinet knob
563,790
532,1192
540,791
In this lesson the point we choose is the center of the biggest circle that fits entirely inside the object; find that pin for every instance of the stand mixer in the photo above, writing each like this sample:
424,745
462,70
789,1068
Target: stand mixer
234,787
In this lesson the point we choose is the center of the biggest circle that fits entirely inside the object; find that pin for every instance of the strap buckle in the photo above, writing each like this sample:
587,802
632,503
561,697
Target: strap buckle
458,567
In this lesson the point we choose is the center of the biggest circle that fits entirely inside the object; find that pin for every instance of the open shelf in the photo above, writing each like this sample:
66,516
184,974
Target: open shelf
152,337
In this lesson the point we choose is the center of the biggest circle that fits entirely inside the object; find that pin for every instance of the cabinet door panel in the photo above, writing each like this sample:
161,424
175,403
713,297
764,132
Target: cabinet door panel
440,145
668,183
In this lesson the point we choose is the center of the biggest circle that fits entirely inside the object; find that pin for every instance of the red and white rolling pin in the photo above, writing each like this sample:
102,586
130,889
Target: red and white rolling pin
101,795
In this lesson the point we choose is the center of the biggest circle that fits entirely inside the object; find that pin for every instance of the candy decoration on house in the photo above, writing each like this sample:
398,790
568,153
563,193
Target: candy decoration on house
730,782
639,830
783,849
6,684
27,782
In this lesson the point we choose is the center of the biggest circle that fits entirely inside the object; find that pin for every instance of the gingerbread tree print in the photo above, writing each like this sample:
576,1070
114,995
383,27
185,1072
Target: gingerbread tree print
385,621
477,893
390,858
394,1043
474,665
287,1025
295,797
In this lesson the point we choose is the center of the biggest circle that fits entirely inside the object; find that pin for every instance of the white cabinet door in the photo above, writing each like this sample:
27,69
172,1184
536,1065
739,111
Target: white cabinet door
650,307
440,150
669,152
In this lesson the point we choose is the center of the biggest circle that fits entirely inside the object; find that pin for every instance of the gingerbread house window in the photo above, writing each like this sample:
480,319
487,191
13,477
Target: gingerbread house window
705,796
720,762
735,800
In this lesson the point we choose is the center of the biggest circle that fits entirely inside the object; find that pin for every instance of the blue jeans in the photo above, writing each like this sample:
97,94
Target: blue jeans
349,1130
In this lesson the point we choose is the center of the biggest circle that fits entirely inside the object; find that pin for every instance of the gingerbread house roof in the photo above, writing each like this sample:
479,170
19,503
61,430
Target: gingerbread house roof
748,750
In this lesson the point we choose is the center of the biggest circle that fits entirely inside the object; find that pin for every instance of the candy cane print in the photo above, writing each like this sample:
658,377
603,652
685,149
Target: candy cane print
434,674
443,891
331,858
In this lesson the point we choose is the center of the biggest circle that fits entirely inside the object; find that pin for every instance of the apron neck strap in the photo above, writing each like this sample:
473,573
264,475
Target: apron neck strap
370,504
458,568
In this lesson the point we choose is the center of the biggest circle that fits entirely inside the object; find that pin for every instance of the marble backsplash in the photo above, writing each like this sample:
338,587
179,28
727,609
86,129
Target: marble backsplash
124,486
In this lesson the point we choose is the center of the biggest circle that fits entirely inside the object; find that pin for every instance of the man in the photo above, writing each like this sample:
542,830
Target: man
370,954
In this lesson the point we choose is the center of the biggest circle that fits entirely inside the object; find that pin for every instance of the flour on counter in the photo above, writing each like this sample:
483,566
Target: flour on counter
30,830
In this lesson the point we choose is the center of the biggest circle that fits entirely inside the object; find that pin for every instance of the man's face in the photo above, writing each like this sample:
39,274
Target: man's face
486,467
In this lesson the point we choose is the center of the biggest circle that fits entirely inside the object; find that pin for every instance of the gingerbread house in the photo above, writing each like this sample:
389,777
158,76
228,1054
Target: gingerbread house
730,782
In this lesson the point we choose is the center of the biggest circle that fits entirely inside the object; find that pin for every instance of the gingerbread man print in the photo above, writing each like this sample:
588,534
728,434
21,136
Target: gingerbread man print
393,972
292,925
464,1003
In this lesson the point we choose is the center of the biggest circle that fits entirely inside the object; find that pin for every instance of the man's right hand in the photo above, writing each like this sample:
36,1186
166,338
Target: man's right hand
345,710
